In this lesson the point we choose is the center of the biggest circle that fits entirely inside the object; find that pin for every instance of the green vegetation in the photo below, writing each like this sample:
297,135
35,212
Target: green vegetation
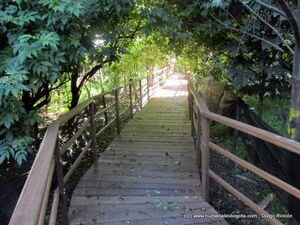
141,59
51,49
275,111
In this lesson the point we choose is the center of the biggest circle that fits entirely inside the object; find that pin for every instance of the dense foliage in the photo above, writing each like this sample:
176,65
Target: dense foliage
47,45
141,59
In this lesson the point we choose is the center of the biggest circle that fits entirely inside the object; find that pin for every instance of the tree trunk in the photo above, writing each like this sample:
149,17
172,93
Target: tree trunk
260,104
75,91
28,104
235,132
294,130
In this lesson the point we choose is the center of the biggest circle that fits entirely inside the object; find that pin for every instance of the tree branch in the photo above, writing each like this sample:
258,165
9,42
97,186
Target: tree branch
132,35
245,32
271,7
291,19
60,84
90,73
233,18
43,103
94,70
269,25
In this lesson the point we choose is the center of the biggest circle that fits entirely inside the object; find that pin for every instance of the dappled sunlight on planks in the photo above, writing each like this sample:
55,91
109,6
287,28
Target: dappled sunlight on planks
176,86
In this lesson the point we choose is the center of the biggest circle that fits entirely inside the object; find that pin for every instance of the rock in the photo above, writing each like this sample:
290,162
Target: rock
218,100
241,177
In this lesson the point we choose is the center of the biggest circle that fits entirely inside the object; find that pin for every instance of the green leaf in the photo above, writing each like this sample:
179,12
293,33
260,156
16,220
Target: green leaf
2,158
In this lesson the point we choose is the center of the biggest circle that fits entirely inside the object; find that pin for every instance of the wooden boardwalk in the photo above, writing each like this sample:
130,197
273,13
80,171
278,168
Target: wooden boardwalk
149,174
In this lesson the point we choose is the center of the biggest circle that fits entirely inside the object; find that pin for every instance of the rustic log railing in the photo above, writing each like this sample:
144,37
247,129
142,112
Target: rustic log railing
34,200
201,118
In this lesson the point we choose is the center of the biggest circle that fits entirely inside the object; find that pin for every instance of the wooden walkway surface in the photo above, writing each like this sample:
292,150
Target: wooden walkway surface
148,175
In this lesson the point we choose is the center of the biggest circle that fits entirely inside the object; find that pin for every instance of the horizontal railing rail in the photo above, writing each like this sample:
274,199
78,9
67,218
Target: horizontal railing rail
34,201
201,118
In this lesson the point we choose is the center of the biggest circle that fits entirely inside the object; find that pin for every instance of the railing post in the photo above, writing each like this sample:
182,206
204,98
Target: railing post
191,111
104,106
205,128
168,71
130,99
93,131
148,88
152,84
163,77
117,111
141,94
190,100
60,181
196,133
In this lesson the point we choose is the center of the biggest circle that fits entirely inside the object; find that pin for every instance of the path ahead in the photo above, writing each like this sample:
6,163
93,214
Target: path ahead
148,175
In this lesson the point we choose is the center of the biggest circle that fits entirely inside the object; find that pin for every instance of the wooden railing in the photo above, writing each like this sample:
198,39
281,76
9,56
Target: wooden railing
201,118
33,202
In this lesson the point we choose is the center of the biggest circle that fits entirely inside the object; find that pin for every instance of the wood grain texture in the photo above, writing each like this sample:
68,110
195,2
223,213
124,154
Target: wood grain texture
152,160
29,206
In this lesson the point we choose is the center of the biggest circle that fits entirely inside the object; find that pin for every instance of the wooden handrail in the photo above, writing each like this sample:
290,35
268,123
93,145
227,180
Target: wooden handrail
204,116
272,179
244,199
32,204
200,102
28,207
286,143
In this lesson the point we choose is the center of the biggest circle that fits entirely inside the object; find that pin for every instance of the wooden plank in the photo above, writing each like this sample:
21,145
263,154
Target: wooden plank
139,184
133,191
152,141
149,139
152,123
77,200
158,134
153,158
130,185
147,213
145,127
151,161
149,156
150,167
156,148
178,164
138,178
